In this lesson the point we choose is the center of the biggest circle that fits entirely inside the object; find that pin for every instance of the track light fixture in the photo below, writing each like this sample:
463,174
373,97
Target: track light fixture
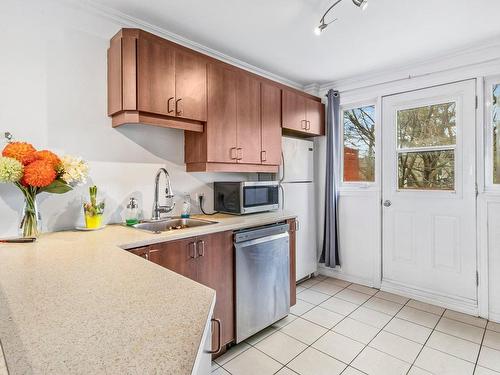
323,25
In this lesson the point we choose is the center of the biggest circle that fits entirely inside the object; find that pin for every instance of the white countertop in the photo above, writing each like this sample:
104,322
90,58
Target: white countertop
77,303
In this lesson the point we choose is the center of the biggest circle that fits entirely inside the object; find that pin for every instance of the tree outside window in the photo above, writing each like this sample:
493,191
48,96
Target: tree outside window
359,144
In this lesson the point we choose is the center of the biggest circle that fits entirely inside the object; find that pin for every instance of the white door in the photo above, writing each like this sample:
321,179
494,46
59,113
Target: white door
429,193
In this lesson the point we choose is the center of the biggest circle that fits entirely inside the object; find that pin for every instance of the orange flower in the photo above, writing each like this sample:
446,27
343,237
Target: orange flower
49,157
40,173
21,151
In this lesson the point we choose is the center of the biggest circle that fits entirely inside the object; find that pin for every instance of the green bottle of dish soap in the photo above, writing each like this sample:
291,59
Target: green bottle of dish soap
132,214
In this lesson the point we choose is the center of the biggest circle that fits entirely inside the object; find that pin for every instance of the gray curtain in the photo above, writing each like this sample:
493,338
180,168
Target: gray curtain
330,255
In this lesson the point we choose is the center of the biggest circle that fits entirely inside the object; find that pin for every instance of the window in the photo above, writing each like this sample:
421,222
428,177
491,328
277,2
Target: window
495,117
426,147
359,144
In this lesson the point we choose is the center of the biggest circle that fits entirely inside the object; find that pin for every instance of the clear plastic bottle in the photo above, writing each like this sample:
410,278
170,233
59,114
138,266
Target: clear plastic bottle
186,206
132,214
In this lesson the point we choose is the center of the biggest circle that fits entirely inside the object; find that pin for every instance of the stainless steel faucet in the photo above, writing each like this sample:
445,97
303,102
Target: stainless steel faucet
157,208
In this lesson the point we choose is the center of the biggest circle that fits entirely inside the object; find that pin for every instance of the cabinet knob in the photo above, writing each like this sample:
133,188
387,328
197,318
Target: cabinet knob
169,101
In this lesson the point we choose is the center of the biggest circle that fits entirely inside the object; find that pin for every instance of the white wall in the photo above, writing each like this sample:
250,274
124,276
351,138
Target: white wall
53,94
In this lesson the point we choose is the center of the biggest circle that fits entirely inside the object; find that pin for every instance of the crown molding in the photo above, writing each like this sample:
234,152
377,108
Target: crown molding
130,21
468,56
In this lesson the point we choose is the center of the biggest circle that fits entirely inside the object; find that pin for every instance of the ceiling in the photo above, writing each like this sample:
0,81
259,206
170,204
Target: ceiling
277,35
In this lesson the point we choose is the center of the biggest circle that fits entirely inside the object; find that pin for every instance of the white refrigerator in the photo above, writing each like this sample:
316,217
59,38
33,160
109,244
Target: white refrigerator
297,181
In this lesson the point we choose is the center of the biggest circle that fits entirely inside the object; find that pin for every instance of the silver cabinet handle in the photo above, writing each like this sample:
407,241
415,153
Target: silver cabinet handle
240,153
193,255
178,108
219,337
234,153
303,126
297,225
202,253
387,203
168,104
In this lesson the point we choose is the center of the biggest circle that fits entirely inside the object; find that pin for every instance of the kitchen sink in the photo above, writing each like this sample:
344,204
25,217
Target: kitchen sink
171,224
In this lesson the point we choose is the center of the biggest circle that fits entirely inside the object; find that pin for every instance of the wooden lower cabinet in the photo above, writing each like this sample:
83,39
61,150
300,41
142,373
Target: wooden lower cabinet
209,260
178,256
215,270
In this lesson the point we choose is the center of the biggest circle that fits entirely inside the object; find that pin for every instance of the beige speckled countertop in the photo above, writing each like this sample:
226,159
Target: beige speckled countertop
77,303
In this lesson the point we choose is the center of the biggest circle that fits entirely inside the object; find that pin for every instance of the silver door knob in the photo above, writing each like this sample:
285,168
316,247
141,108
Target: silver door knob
387,203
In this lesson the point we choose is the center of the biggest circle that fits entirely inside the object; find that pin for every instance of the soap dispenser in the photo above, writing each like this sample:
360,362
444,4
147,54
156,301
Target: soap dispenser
186,206
132,214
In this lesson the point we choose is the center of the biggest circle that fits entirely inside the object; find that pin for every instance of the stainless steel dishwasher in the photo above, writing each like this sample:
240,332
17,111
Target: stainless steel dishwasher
262,278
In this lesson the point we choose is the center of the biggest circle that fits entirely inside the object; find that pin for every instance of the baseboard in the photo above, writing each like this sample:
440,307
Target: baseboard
494,317
339,274
461,305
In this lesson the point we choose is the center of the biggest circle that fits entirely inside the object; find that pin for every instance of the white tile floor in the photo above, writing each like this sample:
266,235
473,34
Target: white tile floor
349,329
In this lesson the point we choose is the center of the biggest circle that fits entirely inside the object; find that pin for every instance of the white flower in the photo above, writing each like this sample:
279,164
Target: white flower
74,170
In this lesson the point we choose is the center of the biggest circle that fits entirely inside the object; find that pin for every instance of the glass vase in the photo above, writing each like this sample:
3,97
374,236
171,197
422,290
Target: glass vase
31,220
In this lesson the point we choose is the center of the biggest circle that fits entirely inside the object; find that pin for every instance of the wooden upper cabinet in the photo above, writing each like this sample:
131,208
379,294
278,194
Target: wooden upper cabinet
216,270
155,77
294,111
178,256
302,115
221,123
248,119
315,116
190,86
270,98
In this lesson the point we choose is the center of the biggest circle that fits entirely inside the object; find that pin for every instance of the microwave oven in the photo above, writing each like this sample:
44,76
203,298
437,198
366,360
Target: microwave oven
245,197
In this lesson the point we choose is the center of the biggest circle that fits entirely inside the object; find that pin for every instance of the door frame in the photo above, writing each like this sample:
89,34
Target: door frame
416,293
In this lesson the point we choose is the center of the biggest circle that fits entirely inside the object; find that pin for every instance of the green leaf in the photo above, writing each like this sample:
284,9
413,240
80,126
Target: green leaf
56,187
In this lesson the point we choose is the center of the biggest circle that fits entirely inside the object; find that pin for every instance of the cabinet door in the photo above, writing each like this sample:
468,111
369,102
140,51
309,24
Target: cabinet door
155,77
315,117
294,111
271,124
248,119
190,86
215,270
178,256
221,122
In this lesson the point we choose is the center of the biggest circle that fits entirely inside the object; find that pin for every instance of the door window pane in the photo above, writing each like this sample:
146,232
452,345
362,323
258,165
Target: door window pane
432,125
359,144
428,170
496,133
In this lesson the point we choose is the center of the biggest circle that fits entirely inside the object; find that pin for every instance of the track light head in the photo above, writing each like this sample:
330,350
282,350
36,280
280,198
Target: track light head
361,3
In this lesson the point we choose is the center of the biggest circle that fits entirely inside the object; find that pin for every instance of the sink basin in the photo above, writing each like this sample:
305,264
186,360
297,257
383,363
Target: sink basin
171,224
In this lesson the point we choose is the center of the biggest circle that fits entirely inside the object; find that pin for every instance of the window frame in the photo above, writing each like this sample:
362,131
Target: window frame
370,185
452,147
489,82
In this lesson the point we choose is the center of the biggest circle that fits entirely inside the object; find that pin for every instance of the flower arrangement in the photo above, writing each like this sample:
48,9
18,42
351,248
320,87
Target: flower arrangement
34,172
93,210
